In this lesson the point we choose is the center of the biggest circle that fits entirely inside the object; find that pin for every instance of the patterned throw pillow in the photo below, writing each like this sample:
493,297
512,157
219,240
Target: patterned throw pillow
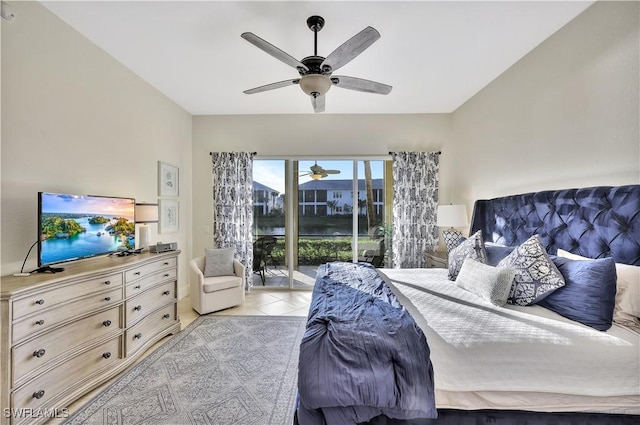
487,282
470,248
536,275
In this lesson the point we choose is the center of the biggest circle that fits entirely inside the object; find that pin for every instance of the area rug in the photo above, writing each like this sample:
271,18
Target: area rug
220,370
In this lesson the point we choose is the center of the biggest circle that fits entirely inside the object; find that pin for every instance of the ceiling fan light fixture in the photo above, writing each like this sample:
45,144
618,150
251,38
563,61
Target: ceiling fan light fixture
315,84
316,176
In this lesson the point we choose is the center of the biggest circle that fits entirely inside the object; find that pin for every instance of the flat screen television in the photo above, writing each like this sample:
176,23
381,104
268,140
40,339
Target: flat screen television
72,227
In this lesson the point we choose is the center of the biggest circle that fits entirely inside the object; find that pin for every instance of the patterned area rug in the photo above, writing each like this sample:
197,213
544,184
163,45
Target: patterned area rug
220,370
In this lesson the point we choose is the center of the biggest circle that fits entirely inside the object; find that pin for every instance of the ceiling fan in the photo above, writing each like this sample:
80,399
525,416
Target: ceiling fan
316,71
317,172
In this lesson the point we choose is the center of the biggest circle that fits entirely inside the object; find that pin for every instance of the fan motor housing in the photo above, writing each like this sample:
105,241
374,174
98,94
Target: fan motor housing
313,63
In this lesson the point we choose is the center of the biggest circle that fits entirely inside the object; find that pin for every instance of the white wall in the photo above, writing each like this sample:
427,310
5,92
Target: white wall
564,116
76,121
308,135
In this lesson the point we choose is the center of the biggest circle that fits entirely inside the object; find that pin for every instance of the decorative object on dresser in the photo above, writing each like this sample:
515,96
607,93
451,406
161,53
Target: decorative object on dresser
163,247
452,216
64,334
145,213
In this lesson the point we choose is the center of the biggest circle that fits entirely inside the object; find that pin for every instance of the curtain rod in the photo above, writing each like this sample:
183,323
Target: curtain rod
306,157
437,153
211,153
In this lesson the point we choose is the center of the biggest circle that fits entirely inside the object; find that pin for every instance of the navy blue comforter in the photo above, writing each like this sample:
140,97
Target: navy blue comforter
362,356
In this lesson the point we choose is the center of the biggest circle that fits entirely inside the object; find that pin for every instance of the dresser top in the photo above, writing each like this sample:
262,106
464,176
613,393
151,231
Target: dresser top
13,285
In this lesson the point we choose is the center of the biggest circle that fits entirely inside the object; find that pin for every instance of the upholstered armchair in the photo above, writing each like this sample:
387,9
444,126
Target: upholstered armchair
216,290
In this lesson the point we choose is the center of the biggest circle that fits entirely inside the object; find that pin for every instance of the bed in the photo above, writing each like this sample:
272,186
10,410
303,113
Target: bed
392,346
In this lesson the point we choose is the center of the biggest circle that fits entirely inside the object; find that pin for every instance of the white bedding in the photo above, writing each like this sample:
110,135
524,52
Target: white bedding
515,357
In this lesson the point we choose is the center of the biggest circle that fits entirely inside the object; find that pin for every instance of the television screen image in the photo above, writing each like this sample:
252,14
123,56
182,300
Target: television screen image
80,226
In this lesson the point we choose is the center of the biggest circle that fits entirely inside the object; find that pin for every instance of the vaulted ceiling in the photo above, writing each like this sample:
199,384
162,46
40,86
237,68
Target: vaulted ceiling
435,54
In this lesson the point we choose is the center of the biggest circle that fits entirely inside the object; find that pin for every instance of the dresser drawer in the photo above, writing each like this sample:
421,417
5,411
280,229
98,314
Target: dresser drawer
150,268
138,307
47,299
48,318
149,327
47,386
142,284
36,353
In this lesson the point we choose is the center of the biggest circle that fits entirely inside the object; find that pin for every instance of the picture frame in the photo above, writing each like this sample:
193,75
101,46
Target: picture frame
168,182
169,219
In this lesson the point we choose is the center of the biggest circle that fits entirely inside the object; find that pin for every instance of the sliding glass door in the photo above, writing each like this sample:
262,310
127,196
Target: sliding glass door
333,210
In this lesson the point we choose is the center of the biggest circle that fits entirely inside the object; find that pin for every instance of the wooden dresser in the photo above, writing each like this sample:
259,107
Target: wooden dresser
64,334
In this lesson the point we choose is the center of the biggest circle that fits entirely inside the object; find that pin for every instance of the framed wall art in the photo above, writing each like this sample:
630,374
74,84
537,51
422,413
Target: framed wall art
167,179
169,216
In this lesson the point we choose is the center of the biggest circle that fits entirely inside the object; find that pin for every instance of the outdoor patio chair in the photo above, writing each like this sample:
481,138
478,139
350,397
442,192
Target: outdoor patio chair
262,248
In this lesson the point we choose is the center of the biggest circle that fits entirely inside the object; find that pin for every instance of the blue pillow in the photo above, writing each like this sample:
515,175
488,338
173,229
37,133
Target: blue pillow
495,253
589,293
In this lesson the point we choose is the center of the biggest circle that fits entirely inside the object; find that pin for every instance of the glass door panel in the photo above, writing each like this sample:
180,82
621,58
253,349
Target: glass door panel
314,209
371,244
270,267
325,210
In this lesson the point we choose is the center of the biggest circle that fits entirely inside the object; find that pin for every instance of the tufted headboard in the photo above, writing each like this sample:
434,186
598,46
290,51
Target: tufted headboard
593,222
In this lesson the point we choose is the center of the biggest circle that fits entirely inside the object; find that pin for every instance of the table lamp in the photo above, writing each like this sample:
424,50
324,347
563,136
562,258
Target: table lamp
451,216
145,213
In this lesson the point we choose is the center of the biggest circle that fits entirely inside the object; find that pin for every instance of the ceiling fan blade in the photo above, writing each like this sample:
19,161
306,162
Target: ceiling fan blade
332,171
318,103
359,84
273,51
272,86
350,49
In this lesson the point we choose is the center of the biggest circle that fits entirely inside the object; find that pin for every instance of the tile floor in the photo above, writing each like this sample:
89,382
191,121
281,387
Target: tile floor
260,302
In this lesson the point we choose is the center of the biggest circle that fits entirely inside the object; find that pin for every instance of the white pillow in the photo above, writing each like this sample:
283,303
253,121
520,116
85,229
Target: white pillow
627,308
487,282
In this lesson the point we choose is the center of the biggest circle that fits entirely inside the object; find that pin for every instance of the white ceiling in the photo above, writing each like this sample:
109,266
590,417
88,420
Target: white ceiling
435,54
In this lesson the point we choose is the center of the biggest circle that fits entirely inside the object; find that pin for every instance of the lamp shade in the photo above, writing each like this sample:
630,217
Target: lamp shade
146,213
315,83
452,216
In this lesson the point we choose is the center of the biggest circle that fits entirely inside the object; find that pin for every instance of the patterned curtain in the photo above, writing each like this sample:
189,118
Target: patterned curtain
415,200
233,206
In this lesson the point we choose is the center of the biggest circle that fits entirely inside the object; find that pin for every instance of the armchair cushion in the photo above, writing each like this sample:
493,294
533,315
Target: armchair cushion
218,262
218,283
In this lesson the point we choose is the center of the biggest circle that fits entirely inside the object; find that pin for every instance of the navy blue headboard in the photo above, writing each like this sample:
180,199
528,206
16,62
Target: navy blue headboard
594,222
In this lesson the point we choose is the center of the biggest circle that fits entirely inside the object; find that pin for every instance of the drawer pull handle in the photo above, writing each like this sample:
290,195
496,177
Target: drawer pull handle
40,302
137,308
107,298
39,353
137,336
136,274
136,287
166,292
106,355
40,322
38,394
166,316
166,275
107,323
107,282
166,263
